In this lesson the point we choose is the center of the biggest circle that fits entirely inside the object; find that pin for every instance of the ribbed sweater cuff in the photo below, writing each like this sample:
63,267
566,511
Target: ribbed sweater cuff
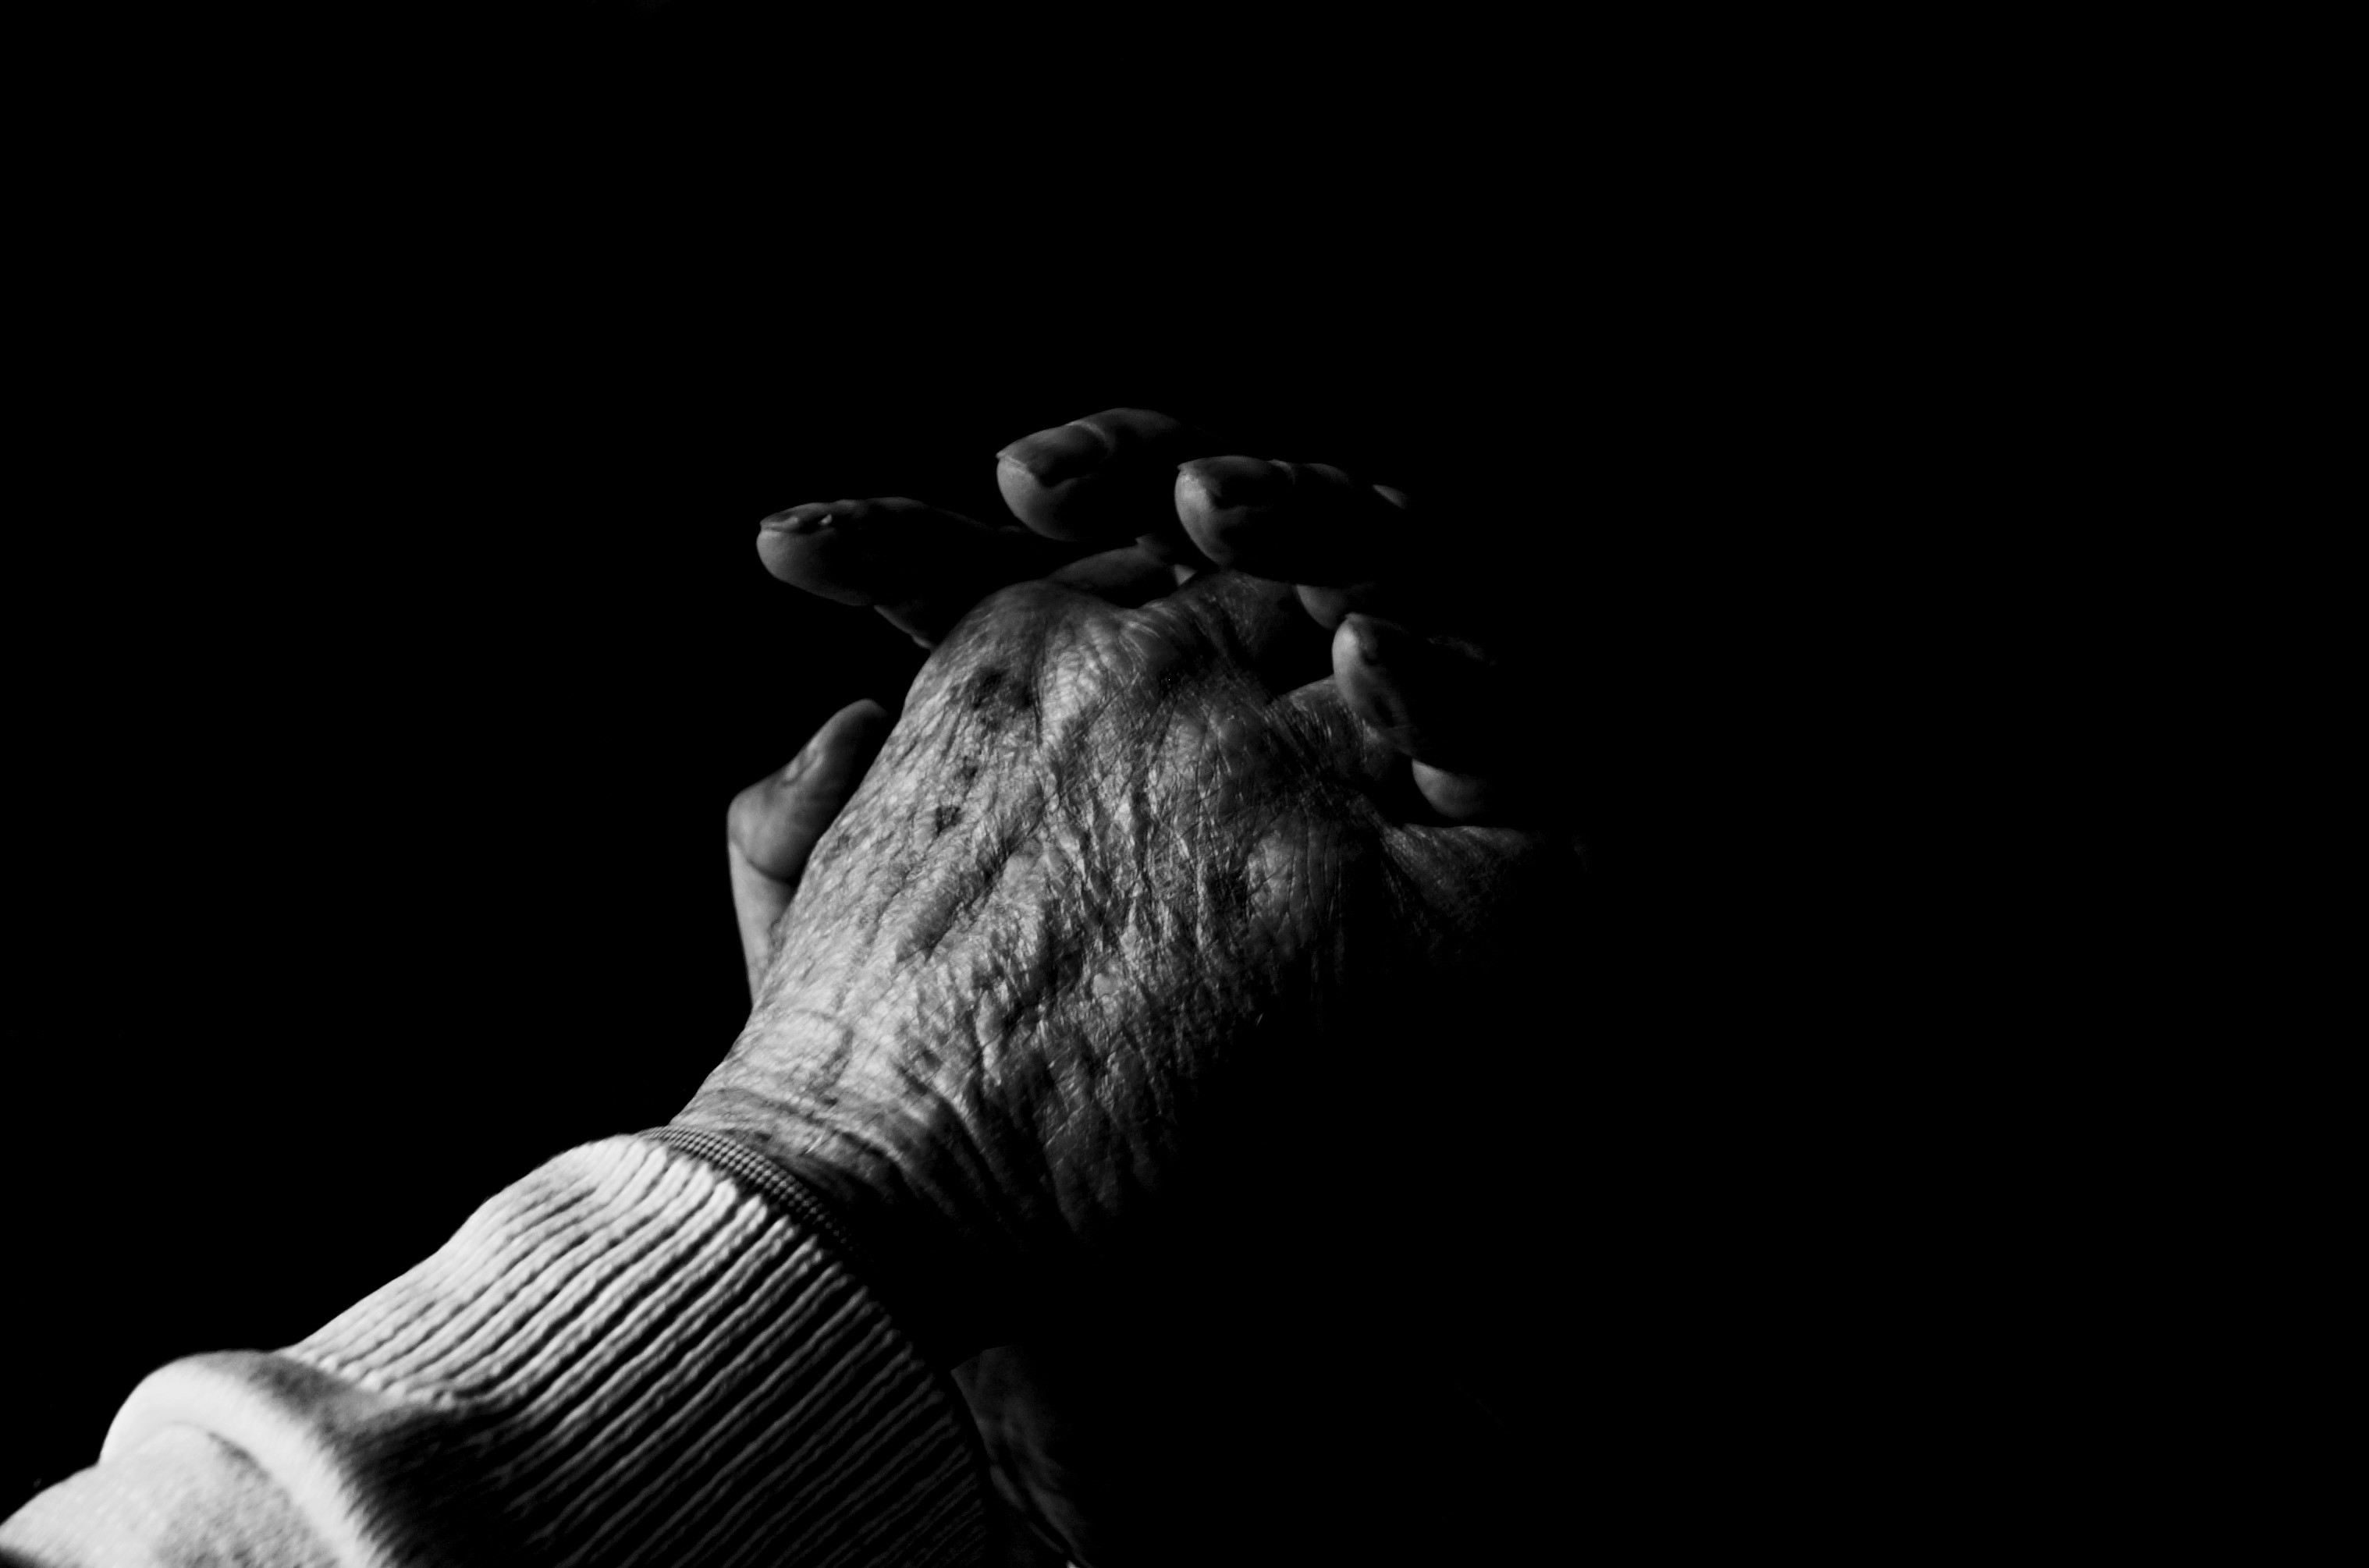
630,1357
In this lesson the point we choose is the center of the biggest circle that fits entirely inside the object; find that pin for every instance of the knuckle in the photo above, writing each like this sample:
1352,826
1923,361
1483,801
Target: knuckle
1117,426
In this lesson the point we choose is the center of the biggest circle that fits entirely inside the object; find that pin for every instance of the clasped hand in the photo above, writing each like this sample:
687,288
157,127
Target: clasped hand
1176,891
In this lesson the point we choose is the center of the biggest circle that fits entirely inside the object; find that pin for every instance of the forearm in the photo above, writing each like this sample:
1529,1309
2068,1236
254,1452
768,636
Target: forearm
629,1357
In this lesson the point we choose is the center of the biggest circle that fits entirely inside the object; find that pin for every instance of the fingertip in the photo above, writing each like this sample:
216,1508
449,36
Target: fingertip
799,518
1298,522
1023,493
1217,497
1326,606
1378,666
1057,455
1367,685
805,546
1458,797
775,822
778,552
846,744
1434,700
921,566
749,808
926,624
1363,634
1106,477
861,721
1193,508
1044,478
1362,646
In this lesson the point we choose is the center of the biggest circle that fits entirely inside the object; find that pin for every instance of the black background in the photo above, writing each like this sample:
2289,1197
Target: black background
388,635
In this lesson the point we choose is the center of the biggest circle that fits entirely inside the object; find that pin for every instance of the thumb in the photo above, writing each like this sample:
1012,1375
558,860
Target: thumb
773,826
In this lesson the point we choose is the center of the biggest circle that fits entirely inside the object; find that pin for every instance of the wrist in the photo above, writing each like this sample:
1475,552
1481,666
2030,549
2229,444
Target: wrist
942,1291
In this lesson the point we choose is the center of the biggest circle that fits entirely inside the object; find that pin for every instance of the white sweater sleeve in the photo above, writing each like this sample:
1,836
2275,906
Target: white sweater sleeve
629,1357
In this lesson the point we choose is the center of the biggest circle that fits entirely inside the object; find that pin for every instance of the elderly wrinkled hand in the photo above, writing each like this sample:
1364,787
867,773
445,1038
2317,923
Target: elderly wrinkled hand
1163,889
1135,879
1119,881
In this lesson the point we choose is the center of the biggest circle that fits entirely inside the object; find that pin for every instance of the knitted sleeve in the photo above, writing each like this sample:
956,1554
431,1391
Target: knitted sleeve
632,1356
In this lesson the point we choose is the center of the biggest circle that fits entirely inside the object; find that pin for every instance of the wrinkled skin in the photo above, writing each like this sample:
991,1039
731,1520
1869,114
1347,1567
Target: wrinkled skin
1134,947
1116,874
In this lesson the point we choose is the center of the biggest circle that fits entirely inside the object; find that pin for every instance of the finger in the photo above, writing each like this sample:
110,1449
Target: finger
1462,797
1127,576
1439,703
1364,567
1349,546
1298,522
922,568
772,825
1106,477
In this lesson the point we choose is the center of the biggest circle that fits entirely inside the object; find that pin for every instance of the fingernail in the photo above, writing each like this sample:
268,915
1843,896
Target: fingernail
1056,456
1377,639
807,517
1361,632
1231,483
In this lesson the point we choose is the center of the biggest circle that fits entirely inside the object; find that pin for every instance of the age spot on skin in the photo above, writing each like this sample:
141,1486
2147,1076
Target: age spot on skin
1227,892
992,693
